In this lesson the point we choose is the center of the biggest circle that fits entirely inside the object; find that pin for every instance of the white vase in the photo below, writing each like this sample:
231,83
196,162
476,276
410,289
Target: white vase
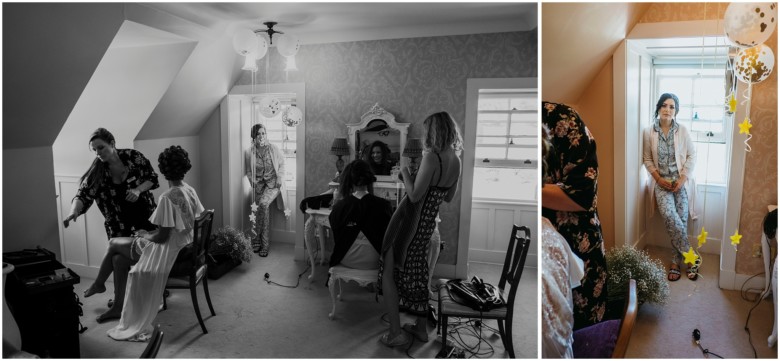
12,339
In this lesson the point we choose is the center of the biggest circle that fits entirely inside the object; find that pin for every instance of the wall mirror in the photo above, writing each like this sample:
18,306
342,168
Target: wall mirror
378,125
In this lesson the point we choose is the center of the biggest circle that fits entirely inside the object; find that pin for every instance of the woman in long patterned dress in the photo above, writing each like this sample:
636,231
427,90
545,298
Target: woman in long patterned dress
569,202
403,272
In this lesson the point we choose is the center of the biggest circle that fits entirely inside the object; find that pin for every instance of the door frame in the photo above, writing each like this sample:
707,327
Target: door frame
460,269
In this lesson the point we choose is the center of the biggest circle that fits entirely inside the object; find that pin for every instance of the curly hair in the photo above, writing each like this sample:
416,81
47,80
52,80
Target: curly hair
356,174
370,149
441,132
174,163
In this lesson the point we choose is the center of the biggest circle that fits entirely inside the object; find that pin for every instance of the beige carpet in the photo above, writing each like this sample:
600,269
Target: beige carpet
259,320
666,331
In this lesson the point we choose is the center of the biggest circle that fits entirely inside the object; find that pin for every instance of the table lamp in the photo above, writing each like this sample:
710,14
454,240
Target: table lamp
339,148
413,149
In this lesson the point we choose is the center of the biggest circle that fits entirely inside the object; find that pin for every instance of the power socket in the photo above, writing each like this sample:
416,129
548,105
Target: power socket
756,251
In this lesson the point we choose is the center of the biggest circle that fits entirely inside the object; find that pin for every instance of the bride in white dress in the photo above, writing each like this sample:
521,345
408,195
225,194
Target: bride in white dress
156,252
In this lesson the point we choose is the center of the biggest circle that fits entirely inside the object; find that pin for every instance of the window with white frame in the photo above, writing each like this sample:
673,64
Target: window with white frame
282,136
506,148
703,110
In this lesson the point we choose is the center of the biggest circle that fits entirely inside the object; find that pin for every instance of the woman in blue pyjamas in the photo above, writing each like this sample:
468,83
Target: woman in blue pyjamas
669,156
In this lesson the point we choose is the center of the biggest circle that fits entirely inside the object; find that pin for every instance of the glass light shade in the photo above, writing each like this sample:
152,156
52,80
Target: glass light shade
291,64
287,45
250,63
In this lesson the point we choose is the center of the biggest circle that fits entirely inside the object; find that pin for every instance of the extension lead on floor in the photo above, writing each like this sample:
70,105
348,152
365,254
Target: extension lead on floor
696,338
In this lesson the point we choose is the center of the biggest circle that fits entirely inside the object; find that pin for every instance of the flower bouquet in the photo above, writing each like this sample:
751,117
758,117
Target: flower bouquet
626,262
229,247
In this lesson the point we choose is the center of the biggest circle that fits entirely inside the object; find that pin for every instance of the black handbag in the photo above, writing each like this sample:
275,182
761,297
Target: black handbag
478,295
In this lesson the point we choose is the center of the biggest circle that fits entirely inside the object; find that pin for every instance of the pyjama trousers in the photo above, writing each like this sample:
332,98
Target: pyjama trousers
674,211
263,197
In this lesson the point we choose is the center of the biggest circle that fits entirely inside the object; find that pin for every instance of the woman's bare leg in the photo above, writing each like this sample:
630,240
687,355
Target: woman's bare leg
391,295
116,246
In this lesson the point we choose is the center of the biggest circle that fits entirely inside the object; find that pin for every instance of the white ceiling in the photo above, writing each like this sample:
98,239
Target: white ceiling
338,22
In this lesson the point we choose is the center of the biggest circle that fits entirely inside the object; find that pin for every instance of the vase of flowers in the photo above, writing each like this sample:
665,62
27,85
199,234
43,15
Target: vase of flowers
229,248
626,262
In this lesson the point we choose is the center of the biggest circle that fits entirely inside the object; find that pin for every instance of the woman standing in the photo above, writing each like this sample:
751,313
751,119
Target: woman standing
569,202
669,156
119,180
264,168
403,272
156,251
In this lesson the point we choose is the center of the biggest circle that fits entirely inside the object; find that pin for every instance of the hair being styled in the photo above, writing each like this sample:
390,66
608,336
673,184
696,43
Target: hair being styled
441,132
174,163
256,129
382,146
94,175
661,101
356,174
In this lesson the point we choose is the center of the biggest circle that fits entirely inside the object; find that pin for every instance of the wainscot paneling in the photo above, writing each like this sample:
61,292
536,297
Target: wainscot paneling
491,227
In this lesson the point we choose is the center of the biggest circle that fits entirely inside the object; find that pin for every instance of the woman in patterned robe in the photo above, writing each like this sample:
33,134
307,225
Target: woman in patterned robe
569,202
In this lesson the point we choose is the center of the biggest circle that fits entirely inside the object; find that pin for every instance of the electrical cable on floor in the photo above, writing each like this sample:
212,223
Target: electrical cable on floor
697,338
267,278
760,297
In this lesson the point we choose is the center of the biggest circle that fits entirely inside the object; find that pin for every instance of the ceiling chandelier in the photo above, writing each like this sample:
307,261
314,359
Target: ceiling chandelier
253,46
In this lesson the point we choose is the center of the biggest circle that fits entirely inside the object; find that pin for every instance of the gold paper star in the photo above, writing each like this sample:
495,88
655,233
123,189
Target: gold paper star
252,218
254,207
735,238
702,237
745,126
732,103
690,256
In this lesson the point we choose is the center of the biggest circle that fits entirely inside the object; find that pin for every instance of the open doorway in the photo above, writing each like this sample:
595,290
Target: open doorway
689,60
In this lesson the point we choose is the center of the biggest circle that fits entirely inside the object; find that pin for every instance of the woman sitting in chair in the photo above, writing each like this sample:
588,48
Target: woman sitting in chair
156,252
359,220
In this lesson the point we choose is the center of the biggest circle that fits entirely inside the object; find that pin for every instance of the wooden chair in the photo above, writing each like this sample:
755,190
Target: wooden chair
196,267
507,285
627,322
154,343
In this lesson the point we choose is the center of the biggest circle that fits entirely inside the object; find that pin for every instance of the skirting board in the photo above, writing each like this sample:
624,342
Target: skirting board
730,280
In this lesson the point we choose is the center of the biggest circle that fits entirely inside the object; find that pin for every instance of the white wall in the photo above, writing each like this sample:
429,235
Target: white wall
210,191
29,200
152,149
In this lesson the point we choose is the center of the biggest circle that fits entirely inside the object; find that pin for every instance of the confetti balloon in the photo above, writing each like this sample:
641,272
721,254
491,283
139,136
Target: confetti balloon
753,65
244,42
269,106
292,116
750,24
261,47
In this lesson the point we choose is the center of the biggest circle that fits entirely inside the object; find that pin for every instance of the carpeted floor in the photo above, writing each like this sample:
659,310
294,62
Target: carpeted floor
666,331
260,320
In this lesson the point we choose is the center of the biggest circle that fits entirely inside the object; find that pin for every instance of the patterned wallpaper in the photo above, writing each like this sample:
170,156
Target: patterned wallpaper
410,78
760,182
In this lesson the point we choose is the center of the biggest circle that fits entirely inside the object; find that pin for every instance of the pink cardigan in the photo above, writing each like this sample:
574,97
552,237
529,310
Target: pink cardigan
685,158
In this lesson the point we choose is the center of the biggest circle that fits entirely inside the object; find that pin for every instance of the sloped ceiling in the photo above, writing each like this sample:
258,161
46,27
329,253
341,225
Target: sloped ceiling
50,52
577,40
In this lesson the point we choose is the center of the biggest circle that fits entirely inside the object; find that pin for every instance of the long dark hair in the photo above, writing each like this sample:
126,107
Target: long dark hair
356,174
661,101
94,175
383,148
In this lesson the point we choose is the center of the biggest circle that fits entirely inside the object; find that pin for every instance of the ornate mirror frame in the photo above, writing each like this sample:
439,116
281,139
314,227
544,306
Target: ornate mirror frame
377,113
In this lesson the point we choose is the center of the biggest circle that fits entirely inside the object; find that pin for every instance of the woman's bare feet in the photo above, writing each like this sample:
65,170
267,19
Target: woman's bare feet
111,314
93,289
